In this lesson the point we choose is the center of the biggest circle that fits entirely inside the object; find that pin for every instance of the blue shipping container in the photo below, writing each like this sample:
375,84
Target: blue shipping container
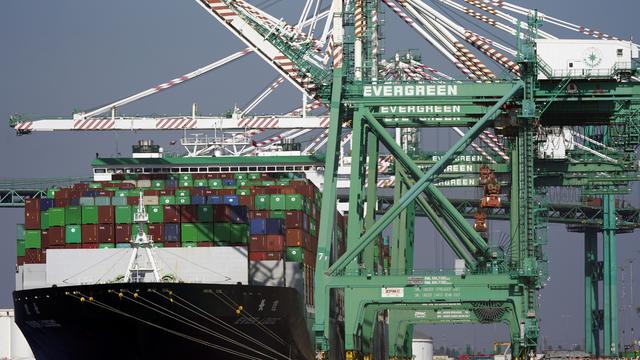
46,204
274,227
74,201
171,183
258,226
239,214
198,200
172,232
231,199
229,182
215,200
123,245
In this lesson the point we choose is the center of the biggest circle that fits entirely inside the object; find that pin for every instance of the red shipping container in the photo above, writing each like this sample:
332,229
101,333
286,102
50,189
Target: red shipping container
80,186
89,234
151,192
258,243
209,192
224,192
171,214
106,233
258,214
108,193
198,176
127,186
106,215
166,192
265,255
246,200
172,244
294,220
189,213
226,176
62,193
123,233
287,190
295,237
55,236
222,213
35,256
275,242
20,260
32,219
133,200
197,192
156,231
91,246
205,244
44,238
61,202
73,246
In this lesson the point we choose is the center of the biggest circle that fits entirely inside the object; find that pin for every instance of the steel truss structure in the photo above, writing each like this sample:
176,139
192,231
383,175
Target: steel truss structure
509,117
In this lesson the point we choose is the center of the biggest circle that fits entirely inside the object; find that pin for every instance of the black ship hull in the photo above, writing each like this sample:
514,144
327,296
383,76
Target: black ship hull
163,321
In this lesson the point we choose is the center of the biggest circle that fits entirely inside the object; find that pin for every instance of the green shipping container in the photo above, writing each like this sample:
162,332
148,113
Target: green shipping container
51,193
158,245
294,202
277,202
32,239
103,201
253,176
283,182
268,183
262,202
73,234
215,183
167,200
73,215
156,214
183,200
205,213
239,233
89,214
124,214
106,245
56,217
221,233
295,253
312,227
20,231
135,192
185,177
277,214
189,244
44,220
242,183
20,247
200,183
243,192
157,184
119,200
95,185
196,232
183,192
186,183
240,176
122,193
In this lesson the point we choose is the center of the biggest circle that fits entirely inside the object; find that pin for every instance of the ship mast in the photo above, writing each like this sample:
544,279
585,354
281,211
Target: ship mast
137,270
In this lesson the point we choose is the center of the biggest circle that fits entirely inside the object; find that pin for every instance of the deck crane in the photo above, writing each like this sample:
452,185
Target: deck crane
515,122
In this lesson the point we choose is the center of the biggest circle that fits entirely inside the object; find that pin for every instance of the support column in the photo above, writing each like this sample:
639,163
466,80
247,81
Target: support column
610,277
591,325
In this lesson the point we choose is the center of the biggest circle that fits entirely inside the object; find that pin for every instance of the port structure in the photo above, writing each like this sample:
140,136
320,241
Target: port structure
516,115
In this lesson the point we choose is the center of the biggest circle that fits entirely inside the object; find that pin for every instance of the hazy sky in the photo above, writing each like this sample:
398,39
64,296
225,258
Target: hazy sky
57,57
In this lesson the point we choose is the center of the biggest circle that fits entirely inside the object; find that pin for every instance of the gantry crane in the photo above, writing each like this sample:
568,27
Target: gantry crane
515,122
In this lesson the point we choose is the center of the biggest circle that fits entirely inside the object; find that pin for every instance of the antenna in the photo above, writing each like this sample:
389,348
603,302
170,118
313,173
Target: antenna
137,270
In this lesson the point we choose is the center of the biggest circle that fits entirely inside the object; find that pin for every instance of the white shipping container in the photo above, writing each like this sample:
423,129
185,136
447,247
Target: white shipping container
422,349
584,58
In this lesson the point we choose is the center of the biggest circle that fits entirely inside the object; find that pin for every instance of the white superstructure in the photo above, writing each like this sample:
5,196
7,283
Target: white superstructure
13,345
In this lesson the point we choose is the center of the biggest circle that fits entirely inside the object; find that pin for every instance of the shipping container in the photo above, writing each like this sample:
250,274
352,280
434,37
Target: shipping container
102,201
205,213
295,237
123,233
106,215
171,232
20,247
274,226
215,200
118,200
262,202
73,215
156,232
189,213
124,214
167,200
73,234
33,239
156,214
295,254
264,255
89,233
106,233
90,215
20,231
56,217
171,214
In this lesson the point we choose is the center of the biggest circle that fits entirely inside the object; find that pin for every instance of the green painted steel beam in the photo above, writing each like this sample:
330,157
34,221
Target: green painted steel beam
424,181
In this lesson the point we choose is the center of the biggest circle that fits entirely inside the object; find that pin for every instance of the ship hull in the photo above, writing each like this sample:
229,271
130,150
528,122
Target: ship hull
163,321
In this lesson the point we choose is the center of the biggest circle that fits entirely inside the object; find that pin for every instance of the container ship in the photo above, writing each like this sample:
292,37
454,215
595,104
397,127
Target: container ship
175,257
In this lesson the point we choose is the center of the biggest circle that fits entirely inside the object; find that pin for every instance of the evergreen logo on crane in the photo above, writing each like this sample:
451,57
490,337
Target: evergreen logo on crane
592,57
